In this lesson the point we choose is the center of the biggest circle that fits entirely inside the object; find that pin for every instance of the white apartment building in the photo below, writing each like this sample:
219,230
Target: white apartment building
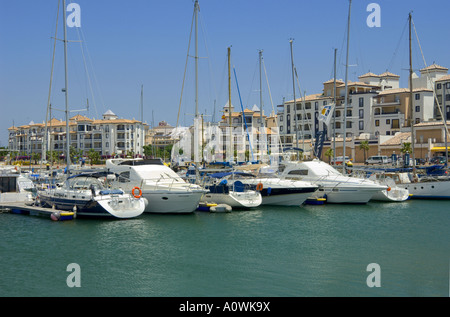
108,136
376,106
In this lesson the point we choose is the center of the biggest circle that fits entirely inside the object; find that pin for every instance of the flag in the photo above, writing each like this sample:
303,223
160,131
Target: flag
326,114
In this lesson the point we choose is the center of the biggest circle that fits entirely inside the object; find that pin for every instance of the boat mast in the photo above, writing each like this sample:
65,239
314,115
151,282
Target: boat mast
346,87
141,147
229,100
295,105
334,111
66,90
48,116
262,135
196,9
411,102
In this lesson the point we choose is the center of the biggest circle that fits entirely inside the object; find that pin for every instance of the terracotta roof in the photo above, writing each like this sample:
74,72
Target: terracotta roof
446,77
398,138
79,117
434,67
369,74
401,90
357,83
332,81
310,97
430,124
388,74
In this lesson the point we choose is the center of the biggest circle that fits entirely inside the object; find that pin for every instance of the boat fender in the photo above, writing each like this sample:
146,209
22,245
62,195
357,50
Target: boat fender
133,192
223,182
259,187
388,189
269,190
55,216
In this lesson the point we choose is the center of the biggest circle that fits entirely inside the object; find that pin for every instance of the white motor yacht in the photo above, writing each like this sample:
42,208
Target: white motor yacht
235,195
163,190
334,186
274,190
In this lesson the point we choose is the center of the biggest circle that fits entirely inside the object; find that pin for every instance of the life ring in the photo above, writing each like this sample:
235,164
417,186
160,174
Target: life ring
133,192
259,187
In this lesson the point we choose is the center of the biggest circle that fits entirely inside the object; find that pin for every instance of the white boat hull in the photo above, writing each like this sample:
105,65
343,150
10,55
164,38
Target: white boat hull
346,195
132,207
171,202
394,195
246,199
429,189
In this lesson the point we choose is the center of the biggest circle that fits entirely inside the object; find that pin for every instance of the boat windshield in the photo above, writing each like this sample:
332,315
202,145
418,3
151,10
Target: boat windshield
83,183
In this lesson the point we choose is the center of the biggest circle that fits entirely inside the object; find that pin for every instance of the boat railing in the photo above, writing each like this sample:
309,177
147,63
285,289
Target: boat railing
166,182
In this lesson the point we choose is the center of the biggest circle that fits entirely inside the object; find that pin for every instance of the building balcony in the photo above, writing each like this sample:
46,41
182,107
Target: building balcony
381,104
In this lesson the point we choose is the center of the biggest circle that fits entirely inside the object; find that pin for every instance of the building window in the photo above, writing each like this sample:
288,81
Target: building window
349,113
447,85
388,121
349,124
417,120
438,86
325,103
281,128
281,118
377,123
288,109
361,125
417,96
361,102
417,108
395,124
361,113
447,97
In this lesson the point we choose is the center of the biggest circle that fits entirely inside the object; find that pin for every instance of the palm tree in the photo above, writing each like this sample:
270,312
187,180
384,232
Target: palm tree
406,148
329,153
364,145
94,156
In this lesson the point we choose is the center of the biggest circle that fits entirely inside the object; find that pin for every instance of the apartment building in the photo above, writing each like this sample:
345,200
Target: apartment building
376,106
108,136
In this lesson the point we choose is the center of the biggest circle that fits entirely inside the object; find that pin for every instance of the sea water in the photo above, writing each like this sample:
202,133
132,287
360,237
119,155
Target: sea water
304,251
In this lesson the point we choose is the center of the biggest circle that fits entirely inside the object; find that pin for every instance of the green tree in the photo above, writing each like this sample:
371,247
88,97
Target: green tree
329,153
74,154
406,148
36,156
364,145
94,156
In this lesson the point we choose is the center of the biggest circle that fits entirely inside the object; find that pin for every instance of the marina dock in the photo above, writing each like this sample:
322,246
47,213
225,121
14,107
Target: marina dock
29,209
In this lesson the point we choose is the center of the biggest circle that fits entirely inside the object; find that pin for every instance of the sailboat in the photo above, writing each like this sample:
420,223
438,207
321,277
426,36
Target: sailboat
83,193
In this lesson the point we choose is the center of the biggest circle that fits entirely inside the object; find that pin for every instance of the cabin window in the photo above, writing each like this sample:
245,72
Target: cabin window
298,172
124,177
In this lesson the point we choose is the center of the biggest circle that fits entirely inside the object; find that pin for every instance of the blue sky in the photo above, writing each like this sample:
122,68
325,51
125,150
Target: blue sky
127,44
